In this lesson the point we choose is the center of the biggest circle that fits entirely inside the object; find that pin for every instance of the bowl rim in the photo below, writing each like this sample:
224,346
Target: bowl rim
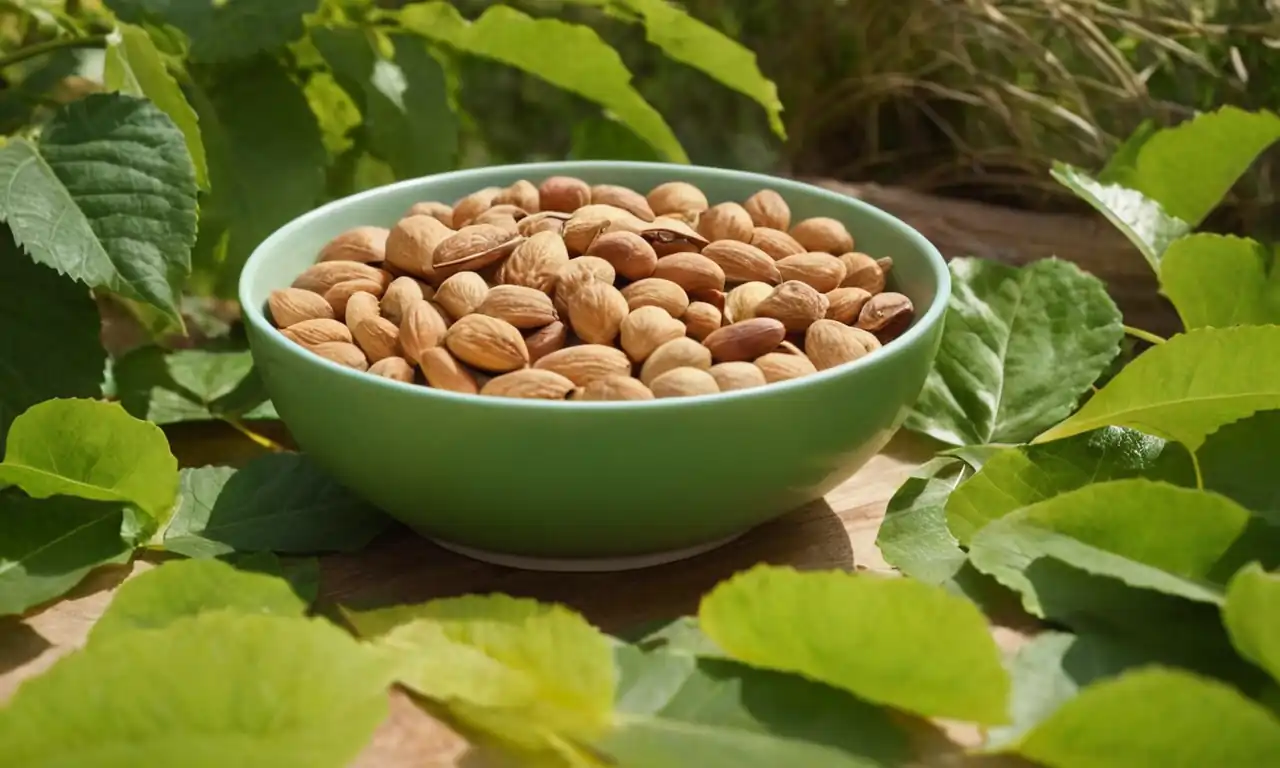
255,316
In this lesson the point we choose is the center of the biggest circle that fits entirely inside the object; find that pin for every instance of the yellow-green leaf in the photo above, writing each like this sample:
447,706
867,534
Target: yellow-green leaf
1220,281
1252,616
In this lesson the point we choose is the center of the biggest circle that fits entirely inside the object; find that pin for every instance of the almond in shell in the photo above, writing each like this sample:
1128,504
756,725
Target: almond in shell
775,242
421,329
474,204
546,340
338,295
342,353
677,353
473,247
797,305
677,198
443,371
394,368
319,278
462,293
289,306
522,194
363,244
519,305
821,270
378,337
627,199
743,263
701,319
309,333
563,193
596,312
631,255
669,235
657,292
412,244
829,343
886,315
767,208
725,221
745,340
403,293
529,384
537,262
614,388
862,271
690,271
547,221
441,212
823,234
780,366
647,328
740,303
586,363
737,375
487,343
361,306
844,304
683,382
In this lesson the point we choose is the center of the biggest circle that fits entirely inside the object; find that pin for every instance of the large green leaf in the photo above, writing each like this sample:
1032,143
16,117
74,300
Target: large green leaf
675,709
223,30
220,689
1237,461
887,640
914,537
1110,529
49,545
278,503
1019,347
569,56
42,311
1252,616
190,385
1148,226
1188,169
1187,387
1219,281
602,138
406,113
92,450
1155,718
134,67
109,198
1017,477
184,588
525,672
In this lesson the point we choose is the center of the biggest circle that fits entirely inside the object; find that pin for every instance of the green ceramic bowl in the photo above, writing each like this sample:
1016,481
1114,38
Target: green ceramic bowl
562,484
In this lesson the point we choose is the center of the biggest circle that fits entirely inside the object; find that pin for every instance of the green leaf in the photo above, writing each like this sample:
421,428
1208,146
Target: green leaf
50,545
522,671
92,450
302,573
335,111
1155,718
219,689
600,138
1252,616
539,47
1189,168
1219,281
266,163
278,502
1106,529
190,385
109,198
1236,461
223,30
184,588
1140,218
42,311
682,635
914,537
675,709
134,67
1019,347
888,640
1021,476
1187,387
406,113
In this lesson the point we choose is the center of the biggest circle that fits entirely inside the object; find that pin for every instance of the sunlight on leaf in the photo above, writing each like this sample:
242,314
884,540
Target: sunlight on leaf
1252,616
914,537
1219,281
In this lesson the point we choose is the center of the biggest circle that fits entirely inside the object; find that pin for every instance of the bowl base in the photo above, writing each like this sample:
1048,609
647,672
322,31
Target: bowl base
584,564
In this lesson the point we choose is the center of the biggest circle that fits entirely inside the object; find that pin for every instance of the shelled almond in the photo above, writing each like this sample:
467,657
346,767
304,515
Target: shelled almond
565,290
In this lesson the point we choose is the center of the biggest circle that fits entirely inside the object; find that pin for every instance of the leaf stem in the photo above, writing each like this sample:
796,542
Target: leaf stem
261,440
1195,465
1146,336
49,46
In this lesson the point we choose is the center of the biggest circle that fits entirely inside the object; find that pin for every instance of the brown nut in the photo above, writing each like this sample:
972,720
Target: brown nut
421,329
521,306
740,303
823,234
657,292
309,333
886,315
647,328
745,340
677,198
844,304
596,311
577,273
794,303
700,319
563,193
614,388
412,244
781,366
743,263
726,221
403,293
473,205
289,306
677,353
378,337
821,270
537,262
360,307
683,382
668,235
441,212
462,293
364,244
775,242
627,199
546,340
394,368
443,371
585,363
530,384
547,221
709,296
690,271
737,375
319,278
631,255
522,194
342,353
592,221
487,343
862,271
474,247
767,208
338,295
829,343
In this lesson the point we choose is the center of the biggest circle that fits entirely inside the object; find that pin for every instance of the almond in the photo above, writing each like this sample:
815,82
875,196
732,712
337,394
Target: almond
536,262
585,363
441,212
546,340
421,329
563,193
631,255
726,221
309,333
502,219
677,353
462,294
522,194
822,271
823,234
443,371
746,339
794,303
319,278
289,306
647,328
577,273
787,347
862,271
844,304
403,293
614,388
740,304
737,375
487,343
886,264
657,292
472,205
743,263
361,306
668,236
367,245
775,242
709,296
829,343
683,382
530,384
473,247
395,368
548,221
700,319
627,199
342,353
596,311
378,337
589,222
521,306
338,295
677,198
886,315
780,366
690,271
412,244
767,208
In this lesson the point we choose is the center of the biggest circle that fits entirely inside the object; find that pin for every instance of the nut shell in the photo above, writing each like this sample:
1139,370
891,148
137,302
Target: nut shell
530,384
886,315
829,343
677,353
767,208
745,340
586,363
364,244
647,328
289,306
823,234
615,388
487,343
797,305
683,382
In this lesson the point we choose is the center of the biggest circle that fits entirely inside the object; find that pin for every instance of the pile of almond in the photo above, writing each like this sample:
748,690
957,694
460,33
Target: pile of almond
568,290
